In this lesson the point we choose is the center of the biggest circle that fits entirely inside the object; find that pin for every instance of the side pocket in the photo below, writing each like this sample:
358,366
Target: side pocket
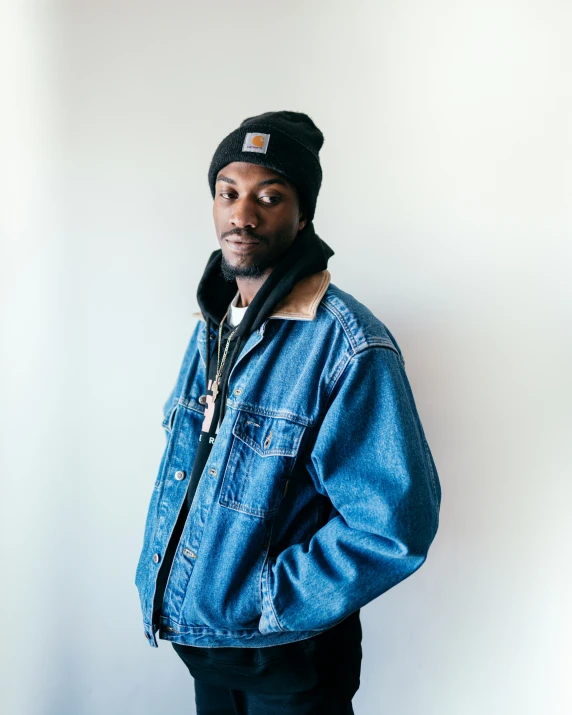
169,417
268,622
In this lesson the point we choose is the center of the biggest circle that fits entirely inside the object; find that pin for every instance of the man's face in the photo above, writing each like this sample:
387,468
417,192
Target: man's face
257,217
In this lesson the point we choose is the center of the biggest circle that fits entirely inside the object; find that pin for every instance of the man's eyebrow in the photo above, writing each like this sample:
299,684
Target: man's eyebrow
265,182
221,177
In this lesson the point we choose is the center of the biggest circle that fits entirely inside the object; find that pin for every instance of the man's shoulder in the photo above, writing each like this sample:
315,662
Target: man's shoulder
361,327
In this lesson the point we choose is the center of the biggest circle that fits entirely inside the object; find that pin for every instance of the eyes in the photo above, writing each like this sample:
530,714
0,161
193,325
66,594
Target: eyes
272,200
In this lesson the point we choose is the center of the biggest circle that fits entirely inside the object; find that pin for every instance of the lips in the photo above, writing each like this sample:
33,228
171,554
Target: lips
242,247
239,240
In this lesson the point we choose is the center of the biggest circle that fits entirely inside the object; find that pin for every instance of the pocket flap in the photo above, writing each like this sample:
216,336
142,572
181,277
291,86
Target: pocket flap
268,436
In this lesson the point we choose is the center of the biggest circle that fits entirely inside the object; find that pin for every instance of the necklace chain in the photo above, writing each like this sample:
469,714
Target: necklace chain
219,364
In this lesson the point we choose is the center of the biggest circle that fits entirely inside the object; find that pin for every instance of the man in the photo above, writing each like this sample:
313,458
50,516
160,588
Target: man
297,484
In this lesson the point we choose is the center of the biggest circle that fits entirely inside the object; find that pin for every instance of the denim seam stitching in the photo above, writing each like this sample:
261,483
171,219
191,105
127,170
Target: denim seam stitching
335,312
356,354
282,414
245,509
356,347
190,406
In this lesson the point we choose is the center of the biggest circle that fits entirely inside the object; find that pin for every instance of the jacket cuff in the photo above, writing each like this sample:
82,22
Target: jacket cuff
268,621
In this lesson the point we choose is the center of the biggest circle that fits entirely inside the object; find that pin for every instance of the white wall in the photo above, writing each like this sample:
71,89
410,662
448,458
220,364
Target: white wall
446,197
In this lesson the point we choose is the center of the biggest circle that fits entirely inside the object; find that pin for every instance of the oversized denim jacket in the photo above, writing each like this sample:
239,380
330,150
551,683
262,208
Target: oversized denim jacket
320,492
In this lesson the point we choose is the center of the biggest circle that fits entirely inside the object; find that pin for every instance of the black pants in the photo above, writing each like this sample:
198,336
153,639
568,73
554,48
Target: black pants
315,676
216,700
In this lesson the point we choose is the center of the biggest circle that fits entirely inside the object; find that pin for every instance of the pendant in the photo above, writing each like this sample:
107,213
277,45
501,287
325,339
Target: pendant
215,390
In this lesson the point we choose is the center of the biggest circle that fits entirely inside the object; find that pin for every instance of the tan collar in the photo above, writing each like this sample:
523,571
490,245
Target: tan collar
302,301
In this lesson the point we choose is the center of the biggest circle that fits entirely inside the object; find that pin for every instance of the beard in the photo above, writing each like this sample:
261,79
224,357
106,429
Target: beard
258,268
253,270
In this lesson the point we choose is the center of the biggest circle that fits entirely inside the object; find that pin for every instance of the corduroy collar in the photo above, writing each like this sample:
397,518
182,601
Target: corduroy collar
302,301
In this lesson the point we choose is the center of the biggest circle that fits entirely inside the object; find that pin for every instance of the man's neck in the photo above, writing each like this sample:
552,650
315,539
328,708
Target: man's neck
248,288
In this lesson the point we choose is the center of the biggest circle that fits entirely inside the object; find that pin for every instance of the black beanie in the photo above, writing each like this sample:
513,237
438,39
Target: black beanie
287,142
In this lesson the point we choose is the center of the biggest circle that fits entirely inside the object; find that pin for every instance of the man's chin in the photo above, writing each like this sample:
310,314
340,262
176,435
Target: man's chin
255,269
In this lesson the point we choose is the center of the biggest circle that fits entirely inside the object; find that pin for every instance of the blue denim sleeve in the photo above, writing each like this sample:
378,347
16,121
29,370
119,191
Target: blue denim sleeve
372,460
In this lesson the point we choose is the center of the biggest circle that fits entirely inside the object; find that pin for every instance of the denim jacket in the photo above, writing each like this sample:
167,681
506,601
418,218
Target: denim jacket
320,492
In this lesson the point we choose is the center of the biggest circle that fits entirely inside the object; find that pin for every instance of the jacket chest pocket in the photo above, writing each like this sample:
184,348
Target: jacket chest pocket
262,456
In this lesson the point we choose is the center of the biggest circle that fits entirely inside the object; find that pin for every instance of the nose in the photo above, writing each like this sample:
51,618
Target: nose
243,214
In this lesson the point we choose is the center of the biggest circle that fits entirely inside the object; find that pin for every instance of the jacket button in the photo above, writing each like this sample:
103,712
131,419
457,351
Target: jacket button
213,471
238,391
203,399
156,558
179,476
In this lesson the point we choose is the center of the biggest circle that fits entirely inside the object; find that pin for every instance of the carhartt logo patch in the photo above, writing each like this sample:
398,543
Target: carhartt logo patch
254,141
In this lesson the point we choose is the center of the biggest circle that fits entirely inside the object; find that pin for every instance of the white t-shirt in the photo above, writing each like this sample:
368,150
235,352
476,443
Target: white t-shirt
236,314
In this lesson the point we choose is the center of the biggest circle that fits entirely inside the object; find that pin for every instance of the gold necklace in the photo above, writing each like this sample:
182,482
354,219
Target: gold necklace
219,364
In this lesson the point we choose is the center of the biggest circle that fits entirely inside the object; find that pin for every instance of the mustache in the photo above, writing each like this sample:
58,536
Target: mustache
243,233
